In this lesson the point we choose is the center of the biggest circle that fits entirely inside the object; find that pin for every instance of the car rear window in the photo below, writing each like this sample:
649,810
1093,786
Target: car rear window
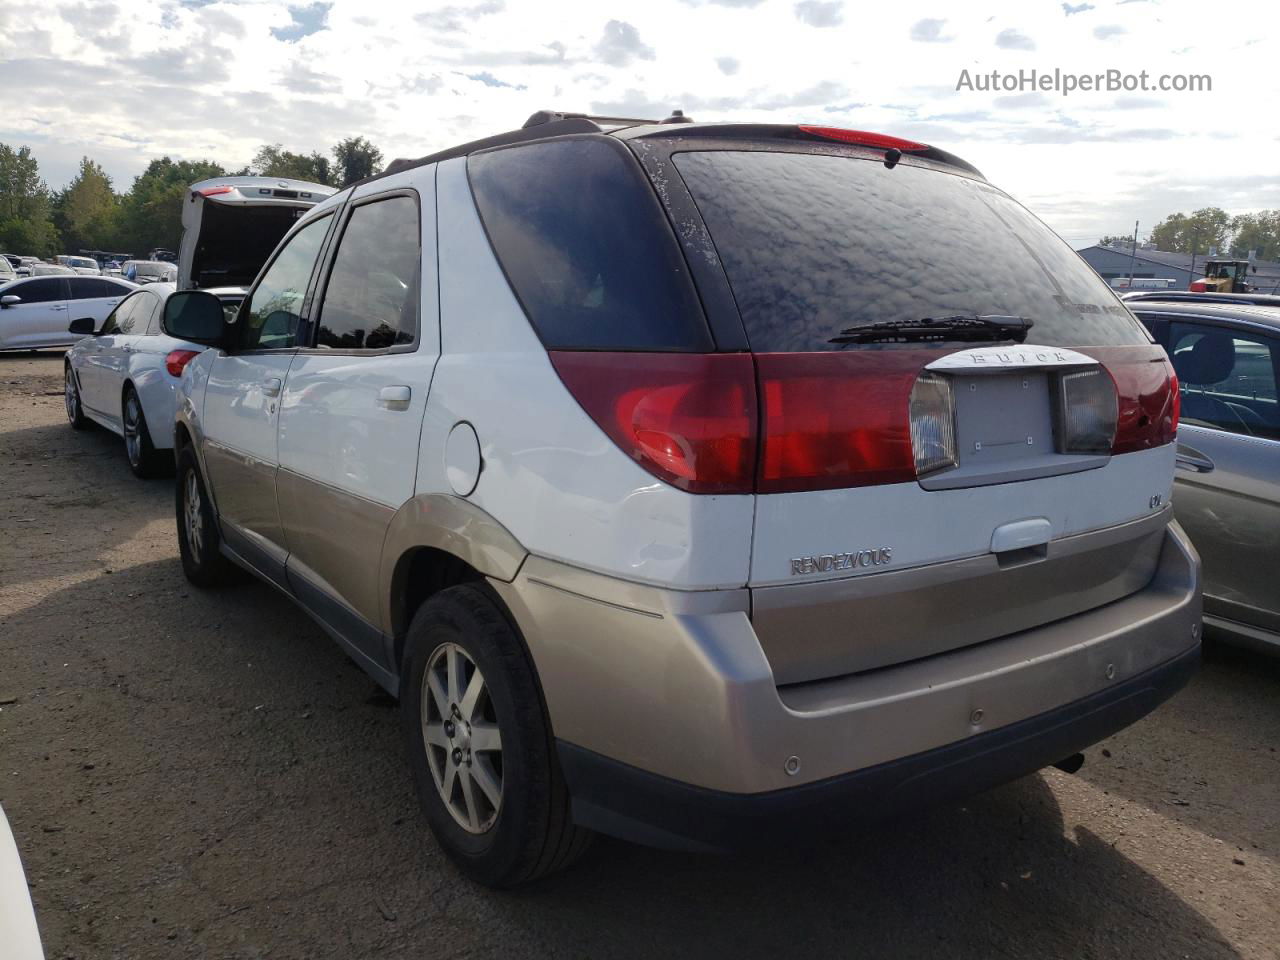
587,248
816,244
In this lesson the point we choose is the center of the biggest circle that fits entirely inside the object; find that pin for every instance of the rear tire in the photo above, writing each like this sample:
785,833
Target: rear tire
144,460
198,537
490,722
71,396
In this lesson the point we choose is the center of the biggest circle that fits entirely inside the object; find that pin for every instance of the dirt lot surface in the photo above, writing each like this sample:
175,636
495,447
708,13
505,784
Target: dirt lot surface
196,774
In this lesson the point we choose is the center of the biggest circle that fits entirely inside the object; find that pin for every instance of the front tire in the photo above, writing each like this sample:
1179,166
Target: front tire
198,537
144,460
479,744
71,396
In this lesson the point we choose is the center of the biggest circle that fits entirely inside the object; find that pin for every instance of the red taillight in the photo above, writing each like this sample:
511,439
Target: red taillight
1148,396
215,191
782,422
836,419
689,419
177,359
881,141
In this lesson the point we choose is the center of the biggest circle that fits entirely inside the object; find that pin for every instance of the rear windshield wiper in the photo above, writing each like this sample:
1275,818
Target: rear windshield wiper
989,327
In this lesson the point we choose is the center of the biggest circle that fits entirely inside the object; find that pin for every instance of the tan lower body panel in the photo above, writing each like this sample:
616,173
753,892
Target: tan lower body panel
903,615
246,492
677,683
335,539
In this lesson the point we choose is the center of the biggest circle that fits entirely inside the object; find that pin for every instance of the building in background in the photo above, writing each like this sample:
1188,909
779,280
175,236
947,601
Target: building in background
1113,262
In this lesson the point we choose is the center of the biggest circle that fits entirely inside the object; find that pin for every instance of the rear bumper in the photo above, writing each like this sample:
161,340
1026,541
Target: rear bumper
657,693
621,800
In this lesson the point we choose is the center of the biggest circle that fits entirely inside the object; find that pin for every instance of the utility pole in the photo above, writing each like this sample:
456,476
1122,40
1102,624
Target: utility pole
1195,239
1133,253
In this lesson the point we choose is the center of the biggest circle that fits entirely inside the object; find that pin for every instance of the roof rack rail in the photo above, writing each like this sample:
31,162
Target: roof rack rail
550,116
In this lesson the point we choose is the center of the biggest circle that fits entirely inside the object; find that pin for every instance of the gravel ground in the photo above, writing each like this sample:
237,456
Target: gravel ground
204,774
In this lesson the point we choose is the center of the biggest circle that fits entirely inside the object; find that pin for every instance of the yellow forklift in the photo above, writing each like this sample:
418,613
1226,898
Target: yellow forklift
1224,276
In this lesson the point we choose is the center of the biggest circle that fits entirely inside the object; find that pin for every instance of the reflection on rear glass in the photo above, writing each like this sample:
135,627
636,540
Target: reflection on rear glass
815,244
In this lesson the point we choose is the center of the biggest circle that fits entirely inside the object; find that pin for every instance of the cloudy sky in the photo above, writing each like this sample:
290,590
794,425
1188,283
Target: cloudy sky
129,80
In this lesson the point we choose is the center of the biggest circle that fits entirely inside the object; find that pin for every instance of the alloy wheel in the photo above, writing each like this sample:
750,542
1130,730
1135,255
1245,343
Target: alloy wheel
132,439
69,394
460,730
193,515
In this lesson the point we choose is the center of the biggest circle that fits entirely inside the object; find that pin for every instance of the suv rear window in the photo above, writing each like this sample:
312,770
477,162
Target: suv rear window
815,244
587,248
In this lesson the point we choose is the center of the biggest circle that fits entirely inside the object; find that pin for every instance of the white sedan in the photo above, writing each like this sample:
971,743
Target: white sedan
123,375
36,312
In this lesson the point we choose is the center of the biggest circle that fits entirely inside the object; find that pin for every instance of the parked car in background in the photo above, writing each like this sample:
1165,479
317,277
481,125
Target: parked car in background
7,270
695,548
112,269
36,312
87,266
123,375
1227,496
25,265
149,271
13,258
230,225
50,270
18,930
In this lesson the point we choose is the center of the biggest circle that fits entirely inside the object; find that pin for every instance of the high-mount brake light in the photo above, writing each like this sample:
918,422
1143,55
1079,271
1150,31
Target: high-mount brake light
215,191
864,138
177,359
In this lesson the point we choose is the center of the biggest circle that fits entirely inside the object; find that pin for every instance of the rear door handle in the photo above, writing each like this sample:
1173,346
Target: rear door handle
271,386
395,397
63,307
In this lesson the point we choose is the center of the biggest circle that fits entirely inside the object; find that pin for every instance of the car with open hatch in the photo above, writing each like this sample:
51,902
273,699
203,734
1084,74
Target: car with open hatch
638,462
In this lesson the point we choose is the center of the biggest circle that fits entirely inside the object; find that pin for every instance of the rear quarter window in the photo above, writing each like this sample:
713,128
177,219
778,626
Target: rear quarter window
815,244
586,247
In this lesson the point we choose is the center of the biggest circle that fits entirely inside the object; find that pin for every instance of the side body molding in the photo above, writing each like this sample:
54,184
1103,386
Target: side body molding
449,524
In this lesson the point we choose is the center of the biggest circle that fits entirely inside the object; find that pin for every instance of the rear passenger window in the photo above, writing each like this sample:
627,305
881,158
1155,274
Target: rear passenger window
91,288
41,290
371,300
1227,378
131,316
587,248
272,315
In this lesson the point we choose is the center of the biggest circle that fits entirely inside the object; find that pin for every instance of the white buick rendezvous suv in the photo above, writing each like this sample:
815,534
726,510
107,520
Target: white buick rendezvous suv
696,483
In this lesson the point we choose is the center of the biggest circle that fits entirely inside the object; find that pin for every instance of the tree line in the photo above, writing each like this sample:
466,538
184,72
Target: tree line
88,214
1198,231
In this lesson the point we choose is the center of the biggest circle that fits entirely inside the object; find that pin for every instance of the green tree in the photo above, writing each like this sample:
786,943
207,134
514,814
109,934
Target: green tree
25,223
87,211
1257,231
272,160
151,212
356,159
1110,241
1205,228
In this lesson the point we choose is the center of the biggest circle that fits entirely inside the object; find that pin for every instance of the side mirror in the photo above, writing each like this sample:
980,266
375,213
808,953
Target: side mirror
196,316
82,327
9,300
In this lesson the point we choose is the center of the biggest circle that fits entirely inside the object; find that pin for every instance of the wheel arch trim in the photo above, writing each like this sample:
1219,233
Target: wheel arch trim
454,527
